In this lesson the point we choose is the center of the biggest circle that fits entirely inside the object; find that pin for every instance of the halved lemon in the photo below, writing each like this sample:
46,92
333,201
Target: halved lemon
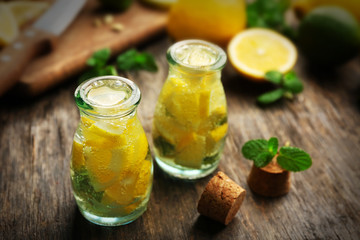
255,51
24,11
8,28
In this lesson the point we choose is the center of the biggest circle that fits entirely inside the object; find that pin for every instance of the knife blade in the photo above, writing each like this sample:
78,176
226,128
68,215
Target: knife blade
35,40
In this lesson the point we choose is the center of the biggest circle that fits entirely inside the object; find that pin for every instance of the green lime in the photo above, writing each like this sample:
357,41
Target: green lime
116,5
329,36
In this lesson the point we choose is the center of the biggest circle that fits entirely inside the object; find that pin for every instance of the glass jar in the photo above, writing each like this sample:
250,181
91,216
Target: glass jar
190,119
216,21
111,165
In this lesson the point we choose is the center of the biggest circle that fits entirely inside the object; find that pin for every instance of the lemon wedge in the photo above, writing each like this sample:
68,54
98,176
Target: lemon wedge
77,156
8,27
255,51
24,11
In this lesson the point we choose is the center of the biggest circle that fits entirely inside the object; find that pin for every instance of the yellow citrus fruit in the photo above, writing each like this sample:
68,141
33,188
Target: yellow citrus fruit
24,11
8,27
215,21
303,7
255,51
77,156
192,154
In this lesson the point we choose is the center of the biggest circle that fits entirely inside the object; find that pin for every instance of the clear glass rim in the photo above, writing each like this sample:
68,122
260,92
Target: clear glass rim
125,107
217,65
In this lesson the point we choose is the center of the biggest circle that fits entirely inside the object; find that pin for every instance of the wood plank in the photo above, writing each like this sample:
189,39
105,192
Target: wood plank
35,141
82,38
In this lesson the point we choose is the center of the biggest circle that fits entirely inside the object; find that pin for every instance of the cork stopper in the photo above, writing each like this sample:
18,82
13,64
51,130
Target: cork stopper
269,181
221,199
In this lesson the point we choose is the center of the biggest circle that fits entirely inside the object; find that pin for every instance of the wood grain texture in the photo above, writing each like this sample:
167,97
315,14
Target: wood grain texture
35,142
82,38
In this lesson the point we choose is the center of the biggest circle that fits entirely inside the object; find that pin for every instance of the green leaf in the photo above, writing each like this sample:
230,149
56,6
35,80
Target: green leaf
292,82
97,71
80,102
165,148
274,77
253,148
133,60
273,145
99,58
263,159
293,159
268,14
108,70
270,97
82,185
89,74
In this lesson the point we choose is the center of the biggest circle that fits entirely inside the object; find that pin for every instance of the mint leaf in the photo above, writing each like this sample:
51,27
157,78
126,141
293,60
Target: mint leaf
263,159
165,148
88,74
82,185
273,145
108,70
253,148
260,151
293,159
293,83
274,77
99,58
97,71
80,102
133,60
270,97
269,14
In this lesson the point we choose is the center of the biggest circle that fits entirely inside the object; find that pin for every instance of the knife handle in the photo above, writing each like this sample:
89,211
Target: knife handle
15,57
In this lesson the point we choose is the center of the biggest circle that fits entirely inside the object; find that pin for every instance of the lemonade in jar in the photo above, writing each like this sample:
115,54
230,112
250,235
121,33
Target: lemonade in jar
111,165
190,119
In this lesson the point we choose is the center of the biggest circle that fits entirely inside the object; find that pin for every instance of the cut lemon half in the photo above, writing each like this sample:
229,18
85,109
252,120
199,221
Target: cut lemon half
8,27
24,11
255,51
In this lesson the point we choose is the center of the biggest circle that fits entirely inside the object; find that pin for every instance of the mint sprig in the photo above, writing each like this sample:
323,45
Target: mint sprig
287,86
269,14
262,151
131,60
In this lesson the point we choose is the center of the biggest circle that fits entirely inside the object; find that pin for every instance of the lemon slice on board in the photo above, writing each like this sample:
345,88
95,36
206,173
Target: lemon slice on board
8,27
24,11
255,51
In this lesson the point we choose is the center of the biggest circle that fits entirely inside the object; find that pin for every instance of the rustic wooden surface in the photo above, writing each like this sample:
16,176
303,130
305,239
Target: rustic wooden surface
82,38
36,136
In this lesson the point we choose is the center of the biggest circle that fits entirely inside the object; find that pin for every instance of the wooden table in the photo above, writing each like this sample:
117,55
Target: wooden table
36,201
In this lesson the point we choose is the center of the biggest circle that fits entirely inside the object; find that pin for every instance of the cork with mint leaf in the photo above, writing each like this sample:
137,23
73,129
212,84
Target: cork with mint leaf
270,173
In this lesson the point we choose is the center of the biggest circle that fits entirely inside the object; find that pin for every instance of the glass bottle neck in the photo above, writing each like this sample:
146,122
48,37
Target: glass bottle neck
179,72
107,97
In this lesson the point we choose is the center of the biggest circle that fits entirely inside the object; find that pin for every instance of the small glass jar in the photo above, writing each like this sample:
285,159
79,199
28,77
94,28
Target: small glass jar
111,165
190,119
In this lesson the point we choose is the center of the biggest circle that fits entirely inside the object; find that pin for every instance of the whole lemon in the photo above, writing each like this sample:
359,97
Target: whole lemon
329,35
